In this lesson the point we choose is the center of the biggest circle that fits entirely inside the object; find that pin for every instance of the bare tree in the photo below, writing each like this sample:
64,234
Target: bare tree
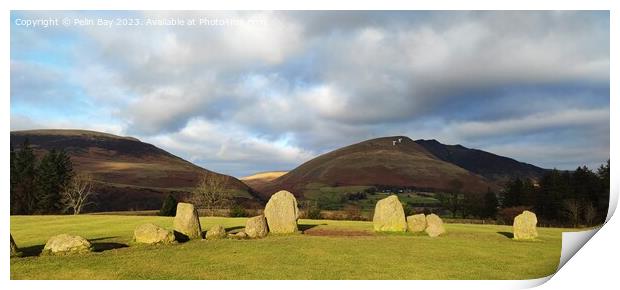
211,193
589,214
77,194
572,208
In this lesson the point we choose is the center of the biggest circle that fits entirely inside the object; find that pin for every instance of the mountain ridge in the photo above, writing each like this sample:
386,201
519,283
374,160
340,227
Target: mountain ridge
495,167
391,161
129,173
136,175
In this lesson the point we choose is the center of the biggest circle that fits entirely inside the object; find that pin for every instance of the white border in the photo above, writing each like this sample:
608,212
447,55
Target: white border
594,266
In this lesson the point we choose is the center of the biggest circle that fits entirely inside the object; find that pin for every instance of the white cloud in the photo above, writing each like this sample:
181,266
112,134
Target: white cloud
21,122
275,92
32,82
210,143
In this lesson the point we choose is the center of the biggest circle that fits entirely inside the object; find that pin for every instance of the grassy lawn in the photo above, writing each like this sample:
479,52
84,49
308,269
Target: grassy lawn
465,252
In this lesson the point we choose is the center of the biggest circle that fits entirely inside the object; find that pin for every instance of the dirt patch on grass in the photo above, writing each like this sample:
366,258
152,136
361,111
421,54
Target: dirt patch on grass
337,233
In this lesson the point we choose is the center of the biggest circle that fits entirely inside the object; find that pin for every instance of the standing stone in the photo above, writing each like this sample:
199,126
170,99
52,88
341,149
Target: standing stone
256,227
434,225
389,215
186,222
416,223
281,213
66,244
152,234
216,232
14,249
524,226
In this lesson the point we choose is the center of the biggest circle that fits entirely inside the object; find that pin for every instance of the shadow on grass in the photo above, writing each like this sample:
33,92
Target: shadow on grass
36,250
100,247
229,229
507,234
399,234
101,239
307,227
31,251
182,238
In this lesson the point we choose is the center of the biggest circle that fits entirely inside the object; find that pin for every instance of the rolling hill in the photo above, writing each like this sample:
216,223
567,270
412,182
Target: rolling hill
394,161
129,174
262,178
493,167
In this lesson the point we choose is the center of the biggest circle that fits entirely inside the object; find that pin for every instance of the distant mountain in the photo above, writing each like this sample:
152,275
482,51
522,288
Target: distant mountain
129,174
394,161
261,178
493,167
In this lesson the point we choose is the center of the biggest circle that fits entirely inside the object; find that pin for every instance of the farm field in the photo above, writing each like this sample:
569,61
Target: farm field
327,250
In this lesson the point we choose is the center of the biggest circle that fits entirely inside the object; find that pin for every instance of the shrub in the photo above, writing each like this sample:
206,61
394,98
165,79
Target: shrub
507,215
310,209
169,207
356,196
238,211
314,213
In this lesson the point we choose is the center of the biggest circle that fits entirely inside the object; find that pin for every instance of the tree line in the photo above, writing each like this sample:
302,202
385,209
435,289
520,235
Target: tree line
560,198
46,186
572,198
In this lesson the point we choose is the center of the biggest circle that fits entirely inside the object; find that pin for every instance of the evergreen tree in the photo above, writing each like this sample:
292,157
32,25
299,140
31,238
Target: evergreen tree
585,184
53,175
169,207
553,186
528,193
24,199
471,205
490,203
46,184
519,192
455,198
602,204
65,167
512,193
13,183
603,173
64,174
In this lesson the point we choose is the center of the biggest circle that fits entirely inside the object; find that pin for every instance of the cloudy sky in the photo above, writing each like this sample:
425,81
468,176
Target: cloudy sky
240,92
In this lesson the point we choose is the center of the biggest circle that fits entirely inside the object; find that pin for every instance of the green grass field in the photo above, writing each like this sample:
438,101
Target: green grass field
332,196
464,252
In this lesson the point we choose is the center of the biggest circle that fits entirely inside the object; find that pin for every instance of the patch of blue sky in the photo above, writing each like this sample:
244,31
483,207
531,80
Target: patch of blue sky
56,46
57,50
65,99
302,71
71,115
